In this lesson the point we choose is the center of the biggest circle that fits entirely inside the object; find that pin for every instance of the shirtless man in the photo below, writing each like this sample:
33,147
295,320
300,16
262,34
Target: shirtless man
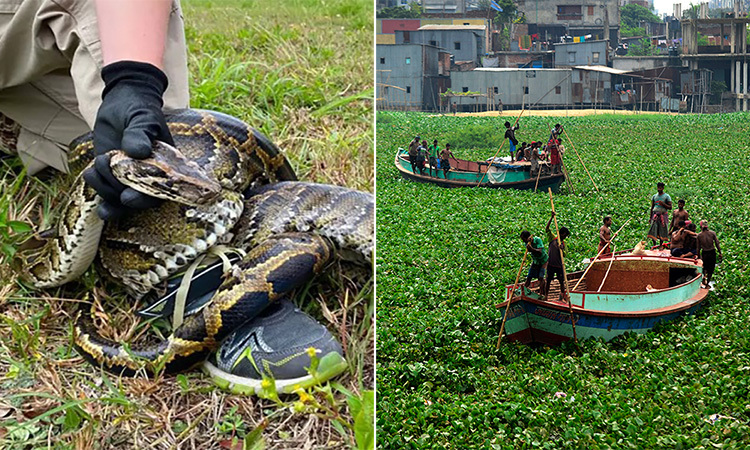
444,163
677,216
706,240
605,236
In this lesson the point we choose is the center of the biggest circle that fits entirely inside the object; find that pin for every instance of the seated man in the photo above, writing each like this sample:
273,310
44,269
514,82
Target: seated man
685,241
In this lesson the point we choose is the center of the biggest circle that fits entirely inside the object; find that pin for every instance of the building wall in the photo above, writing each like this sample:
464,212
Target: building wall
511,84
471,42
400,68
575,13
632,63
581,54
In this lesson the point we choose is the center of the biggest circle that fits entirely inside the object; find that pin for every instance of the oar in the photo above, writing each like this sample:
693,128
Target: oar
580,159
598,255
538,172
512,293
500,148
562,260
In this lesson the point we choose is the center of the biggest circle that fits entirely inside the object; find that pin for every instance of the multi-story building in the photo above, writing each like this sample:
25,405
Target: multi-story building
552,19
464,42
410,76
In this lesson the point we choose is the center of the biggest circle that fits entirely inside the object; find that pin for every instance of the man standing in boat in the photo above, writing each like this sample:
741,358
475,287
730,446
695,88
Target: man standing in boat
706,251
539,258
510,134
444,163
678,216
556,252
434,155
661,203
413,150
605,236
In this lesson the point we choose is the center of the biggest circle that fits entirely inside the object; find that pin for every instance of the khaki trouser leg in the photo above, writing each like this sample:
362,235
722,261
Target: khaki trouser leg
50,60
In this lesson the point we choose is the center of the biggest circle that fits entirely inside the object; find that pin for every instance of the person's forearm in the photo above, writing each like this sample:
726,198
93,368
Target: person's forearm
133,30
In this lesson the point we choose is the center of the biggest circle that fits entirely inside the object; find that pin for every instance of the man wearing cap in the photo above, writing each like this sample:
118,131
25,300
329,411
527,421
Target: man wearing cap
661,203
413,150
707,252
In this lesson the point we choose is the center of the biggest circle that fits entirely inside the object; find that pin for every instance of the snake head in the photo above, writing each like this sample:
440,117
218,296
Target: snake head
167,174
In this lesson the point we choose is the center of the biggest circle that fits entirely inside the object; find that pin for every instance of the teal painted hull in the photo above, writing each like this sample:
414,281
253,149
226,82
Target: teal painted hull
475,174
608,313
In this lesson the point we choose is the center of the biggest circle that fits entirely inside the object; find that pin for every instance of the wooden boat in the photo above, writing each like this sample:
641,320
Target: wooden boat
465,173
634,294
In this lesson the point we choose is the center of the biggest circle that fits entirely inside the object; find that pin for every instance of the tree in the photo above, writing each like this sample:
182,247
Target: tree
631,15
642,48
414,11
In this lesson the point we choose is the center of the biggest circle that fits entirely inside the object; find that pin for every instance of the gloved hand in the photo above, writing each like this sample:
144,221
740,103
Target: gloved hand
130,119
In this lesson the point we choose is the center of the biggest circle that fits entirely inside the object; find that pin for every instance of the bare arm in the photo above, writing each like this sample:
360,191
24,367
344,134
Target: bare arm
716,241
134,30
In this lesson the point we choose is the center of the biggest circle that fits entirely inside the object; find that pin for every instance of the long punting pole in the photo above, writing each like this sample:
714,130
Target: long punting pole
538,173
607,273
562,259
512,293
564,169
500,148
597,256
579,158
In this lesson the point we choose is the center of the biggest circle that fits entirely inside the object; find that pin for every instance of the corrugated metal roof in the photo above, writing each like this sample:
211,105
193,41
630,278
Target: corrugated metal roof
519,69
453,27
602,69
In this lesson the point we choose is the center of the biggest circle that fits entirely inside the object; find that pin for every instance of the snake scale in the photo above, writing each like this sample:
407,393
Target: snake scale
224,183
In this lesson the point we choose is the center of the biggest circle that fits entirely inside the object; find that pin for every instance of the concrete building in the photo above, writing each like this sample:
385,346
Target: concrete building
410,76
464,42
726,59
590,53
385,29
552,19
444,6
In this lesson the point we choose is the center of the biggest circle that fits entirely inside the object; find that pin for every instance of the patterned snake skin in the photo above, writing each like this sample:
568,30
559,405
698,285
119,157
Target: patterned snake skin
289,231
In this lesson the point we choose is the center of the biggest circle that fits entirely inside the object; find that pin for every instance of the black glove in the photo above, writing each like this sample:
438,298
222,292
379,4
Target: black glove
130,119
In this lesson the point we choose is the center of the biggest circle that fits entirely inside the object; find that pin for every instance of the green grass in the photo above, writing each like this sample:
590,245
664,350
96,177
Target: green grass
301,72
445,255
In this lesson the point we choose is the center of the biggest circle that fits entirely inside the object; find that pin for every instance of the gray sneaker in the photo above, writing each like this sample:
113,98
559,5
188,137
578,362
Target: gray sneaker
275,344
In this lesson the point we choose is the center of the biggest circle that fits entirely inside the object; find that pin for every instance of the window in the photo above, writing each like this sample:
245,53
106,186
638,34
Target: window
467,23
572,57
495,90
465,89
433,43
591,10
558,90
385,90
407,37
408,89
569,12
525,89
457,45
595,57
382,60
408,60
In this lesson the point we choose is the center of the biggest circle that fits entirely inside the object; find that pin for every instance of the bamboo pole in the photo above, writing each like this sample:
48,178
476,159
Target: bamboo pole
512,293
580,159
538,173
500,148
607,273
597,256
562,259
562,166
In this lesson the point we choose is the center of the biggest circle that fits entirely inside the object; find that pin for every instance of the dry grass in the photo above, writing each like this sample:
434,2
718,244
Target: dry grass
300,72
